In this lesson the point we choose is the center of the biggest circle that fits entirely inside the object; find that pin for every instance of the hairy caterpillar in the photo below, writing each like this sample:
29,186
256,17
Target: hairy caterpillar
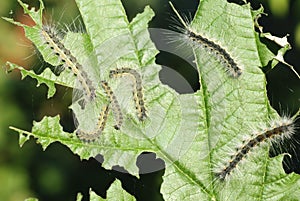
278,130
114,104
52,40
213,48
92,136
137,90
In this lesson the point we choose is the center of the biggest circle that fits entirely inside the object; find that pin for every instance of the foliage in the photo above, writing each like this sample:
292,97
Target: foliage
192,133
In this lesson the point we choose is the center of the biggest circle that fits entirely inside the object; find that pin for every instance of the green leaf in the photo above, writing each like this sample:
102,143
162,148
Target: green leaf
283,43
79,197
264,53
191,133
135,137
47,77
37,16
47,131
232,108
115,192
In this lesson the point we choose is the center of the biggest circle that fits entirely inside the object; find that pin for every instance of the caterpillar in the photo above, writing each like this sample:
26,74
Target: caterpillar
279,130
219,52
92,136
114,104
137,92
52,40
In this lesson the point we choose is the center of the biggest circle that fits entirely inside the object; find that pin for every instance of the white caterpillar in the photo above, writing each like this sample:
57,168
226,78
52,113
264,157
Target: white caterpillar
219,52
92,136
114,104
137,89
278,130
52,40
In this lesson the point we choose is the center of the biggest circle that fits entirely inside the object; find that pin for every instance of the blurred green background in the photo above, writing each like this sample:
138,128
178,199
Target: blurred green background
57,174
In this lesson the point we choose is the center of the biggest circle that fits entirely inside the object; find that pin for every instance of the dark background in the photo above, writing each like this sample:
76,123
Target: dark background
57,174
